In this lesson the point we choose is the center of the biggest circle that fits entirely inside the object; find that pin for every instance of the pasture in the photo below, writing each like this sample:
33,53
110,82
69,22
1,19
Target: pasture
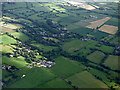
86,80
106,49
6,49
12,26
109,29
44,47
4,30
17,62
96,56
98,23
56,83
20,36
102,76
34,77
7,39
112,62
78,44
65,67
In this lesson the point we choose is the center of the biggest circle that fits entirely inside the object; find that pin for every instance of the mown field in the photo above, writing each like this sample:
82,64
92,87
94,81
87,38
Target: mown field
112,62
86,80
96,56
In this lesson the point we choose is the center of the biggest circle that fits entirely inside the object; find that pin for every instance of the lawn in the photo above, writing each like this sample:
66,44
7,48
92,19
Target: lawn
17,62
65,67
7,39
86,80
56,83
20,36
96,57
112,62
33,79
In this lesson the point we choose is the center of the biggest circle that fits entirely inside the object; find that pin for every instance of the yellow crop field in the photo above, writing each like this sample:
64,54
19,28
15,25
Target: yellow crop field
98,23
109,29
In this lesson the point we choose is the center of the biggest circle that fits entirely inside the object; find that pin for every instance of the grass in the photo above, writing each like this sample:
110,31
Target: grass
20,36
77,44
4,30
103,76
7,39
56,83
106,49
86,80
17,62
33,79
96,57
6,49
43,47
65,67
5,74
112,62
82,52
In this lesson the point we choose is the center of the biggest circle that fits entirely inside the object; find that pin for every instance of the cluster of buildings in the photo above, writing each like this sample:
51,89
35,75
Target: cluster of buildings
6,67
43,63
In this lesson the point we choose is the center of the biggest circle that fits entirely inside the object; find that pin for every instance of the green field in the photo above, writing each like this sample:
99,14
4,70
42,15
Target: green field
56,83
112,62
7,39
83,52
17,62
65,67
44,47
106,49
20,36
86,80
96,57
33,79
77,44
103,76
5,73
6,49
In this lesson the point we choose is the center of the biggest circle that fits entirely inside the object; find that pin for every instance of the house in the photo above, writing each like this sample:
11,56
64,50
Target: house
11,55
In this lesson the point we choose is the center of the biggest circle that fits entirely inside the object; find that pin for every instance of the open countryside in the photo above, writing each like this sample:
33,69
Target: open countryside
67,44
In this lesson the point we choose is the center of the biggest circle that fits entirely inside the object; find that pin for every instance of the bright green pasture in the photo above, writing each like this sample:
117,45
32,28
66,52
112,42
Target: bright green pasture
7,39
65,67
17,62
85,80
33,78
6,49
20,36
